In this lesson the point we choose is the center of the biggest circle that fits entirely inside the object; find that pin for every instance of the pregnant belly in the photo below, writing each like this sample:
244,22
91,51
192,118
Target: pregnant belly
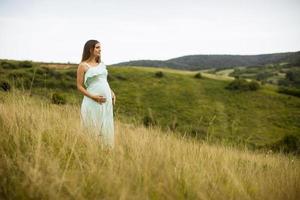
100,88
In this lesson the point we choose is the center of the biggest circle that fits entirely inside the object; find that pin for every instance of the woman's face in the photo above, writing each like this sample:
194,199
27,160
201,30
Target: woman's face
97,49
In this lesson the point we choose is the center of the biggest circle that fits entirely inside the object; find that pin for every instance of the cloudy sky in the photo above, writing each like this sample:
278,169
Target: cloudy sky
56,30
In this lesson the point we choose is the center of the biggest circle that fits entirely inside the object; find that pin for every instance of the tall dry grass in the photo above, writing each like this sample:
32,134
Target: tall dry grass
45,154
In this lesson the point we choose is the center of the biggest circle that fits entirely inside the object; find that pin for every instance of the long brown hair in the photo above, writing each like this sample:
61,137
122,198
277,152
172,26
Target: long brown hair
89,45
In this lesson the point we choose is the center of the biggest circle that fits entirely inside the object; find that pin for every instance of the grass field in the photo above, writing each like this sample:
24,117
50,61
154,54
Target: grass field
199,108
204,108
45,154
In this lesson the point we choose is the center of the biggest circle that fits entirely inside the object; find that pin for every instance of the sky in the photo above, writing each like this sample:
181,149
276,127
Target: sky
56,30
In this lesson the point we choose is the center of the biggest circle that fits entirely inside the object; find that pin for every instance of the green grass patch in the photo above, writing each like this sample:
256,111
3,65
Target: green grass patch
176,100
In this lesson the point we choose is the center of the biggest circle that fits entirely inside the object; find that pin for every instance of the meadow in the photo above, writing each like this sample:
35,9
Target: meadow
177,101
46,154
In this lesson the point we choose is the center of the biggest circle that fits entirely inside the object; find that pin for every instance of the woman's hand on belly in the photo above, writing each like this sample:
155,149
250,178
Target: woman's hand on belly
99,99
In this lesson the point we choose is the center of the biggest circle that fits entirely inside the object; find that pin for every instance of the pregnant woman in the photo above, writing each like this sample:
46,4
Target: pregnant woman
98,100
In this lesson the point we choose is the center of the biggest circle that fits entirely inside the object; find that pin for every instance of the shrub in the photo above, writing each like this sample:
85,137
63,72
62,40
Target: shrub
263,76
25,64
287,144
237,84
289,91
8,65
284,82
159,74
5,86
58,98
292,79
293,75
253,85
243,85
198,75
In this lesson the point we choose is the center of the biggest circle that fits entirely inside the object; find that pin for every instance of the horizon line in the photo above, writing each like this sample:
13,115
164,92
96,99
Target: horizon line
72,63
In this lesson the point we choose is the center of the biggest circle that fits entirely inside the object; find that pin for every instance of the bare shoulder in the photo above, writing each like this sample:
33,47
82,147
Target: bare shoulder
82,66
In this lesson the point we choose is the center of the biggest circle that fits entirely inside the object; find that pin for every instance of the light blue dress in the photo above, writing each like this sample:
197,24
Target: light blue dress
95,116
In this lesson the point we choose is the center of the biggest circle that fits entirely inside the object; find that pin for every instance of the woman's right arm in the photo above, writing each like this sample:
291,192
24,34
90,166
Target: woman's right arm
80,79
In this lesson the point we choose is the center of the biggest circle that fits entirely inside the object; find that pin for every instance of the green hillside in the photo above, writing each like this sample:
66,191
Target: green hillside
197,62
196,107
202,107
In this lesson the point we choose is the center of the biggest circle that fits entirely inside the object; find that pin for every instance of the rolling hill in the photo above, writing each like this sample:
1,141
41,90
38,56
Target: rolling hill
197,62
177,100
